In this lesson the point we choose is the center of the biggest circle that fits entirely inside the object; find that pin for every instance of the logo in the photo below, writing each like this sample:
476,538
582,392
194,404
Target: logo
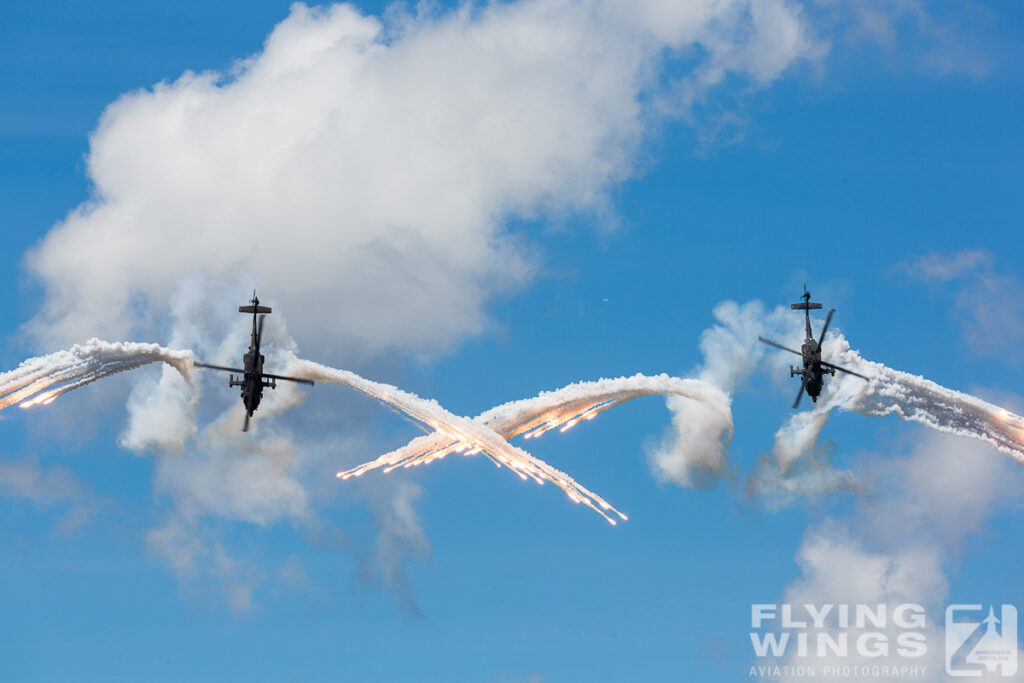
976,643
838,641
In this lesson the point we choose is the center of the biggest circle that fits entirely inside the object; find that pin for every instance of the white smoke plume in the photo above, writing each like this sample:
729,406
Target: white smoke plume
210,472
463,433
909,397
888,392
80,365
488,433
365,171
732,353
702,419
564,408
86,363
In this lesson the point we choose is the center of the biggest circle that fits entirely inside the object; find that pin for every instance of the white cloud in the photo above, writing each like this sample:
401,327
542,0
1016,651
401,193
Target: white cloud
250,480
943,492
198,558
27,480
216,482
938,267
50,487
900,543
811,479
942,38
400,538
361,171
988,300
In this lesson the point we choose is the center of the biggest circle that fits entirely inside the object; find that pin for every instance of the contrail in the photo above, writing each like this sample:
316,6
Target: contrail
563,408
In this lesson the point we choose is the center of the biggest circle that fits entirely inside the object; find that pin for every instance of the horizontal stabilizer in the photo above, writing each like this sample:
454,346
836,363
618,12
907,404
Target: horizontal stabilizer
266,309
805,306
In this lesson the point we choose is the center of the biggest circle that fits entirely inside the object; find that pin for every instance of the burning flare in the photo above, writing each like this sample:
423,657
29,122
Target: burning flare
82,364
40,381
532,417
910,397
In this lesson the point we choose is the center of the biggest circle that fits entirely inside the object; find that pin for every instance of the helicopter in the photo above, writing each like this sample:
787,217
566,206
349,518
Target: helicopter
812,375
253,380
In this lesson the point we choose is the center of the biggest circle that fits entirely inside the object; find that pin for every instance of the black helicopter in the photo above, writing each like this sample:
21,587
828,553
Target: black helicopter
814,370
253,379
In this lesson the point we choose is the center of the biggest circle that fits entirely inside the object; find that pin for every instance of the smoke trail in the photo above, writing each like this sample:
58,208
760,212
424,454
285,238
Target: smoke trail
80,365
460,434
732,353
563,408
909,397
85,363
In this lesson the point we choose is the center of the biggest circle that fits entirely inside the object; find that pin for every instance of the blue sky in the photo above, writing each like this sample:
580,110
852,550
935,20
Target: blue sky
831,172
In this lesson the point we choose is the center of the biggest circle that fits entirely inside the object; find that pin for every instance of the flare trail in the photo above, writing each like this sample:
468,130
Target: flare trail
30,383
563,408
909,397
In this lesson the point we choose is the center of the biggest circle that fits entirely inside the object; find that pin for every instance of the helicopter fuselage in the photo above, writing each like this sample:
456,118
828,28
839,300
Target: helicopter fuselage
813,372
253,380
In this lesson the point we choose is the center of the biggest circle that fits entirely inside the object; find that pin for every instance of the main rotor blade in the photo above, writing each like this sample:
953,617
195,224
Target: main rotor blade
290,379
841,369
245,424
218,367
828,319
259,331
779,346
800,394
